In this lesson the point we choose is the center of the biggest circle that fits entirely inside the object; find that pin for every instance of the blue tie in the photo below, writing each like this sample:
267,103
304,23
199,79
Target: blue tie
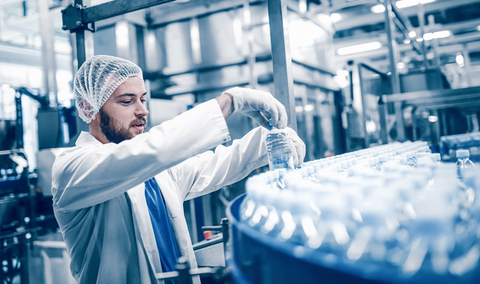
166,243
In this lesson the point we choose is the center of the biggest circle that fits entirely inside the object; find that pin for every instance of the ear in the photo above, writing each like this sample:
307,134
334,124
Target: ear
87,109
95,129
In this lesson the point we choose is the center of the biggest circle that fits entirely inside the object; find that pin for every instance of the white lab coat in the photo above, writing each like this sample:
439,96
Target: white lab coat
99,193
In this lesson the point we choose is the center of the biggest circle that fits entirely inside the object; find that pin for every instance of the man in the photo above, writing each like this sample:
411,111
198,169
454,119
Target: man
117,195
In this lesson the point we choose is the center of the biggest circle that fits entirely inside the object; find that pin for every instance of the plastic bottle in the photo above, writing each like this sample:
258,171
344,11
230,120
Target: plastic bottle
382,159
309,174
251,201
463,161
276,183
279,149
298,220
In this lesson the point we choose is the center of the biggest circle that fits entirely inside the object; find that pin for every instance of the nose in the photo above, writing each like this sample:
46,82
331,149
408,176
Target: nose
141,110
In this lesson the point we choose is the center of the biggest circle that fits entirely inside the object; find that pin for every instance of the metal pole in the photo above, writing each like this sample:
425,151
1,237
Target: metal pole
364,120
421,22
48,52
395,79
19,120
183,268
467,65
80,48
383,121
282,62
251,41
80,41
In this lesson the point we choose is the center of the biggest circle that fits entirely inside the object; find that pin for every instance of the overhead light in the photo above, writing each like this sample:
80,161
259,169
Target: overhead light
343,73
335,17
412,34
324,18
410,3
437,35
428,36
378,9
433,118
342,78
460,60
370,126
406,3
478,28
122,34
359,48
401,65
442,34
309,108
302,6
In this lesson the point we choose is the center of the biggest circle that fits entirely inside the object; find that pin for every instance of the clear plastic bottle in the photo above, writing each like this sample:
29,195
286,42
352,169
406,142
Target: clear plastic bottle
279,149
298,219
463,161
309,174
251,201
281,178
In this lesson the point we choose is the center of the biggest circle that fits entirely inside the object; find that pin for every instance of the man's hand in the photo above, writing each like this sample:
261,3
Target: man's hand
298,147
257,104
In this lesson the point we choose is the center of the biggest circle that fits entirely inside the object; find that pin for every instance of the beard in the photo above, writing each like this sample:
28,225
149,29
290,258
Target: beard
111,129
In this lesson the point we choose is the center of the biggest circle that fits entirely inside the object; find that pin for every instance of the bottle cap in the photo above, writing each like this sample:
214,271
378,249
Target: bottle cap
207,234
463,153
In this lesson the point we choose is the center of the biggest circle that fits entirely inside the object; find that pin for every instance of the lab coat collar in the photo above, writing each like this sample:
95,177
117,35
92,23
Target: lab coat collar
86,138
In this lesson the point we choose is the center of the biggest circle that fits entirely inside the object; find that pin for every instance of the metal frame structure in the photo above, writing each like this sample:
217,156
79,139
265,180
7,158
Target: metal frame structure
77,19
381,108
434,100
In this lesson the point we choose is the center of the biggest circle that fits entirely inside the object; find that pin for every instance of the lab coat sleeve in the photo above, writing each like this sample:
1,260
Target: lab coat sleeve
212,170
93,173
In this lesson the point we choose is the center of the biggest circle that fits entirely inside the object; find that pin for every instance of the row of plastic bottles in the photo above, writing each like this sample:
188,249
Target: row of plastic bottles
10,174
468,141
389,209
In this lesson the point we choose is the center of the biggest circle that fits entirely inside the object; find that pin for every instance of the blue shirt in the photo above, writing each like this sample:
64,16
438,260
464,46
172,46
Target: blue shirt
166,243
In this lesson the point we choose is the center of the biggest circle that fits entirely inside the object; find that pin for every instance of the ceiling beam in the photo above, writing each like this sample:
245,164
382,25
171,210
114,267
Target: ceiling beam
368,19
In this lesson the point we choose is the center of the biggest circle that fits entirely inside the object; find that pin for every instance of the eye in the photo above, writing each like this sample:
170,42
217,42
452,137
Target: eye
126,102
143,101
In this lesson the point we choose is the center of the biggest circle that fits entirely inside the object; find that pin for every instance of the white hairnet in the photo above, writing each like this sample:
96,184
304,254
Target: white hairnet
97,79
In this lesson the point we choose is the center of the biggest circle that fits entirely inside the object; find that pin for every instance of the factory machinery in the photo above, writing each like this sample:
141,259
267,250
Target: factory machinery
203,49
16,220
388,214
395,213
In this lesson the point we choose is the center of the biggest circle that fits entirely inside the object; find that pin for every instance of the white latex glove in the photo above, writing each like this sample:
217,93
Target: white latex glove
255,103
298,147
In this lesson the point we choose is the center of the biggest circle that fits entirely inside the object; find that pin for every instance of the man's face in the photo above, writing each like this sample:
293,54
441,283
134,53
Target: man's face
123,116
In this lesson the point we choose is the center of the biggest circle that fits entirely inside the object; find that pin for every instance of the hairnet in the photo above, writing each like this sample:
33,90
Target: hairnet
97,79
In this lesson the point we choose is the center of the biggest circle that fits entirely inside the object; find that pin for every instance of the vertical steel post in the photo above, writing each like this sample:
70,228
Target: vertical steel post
362,92
80,41
48,52
247,19
19,120
395,79
80,47
282,62
421,23
382,113
467,65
